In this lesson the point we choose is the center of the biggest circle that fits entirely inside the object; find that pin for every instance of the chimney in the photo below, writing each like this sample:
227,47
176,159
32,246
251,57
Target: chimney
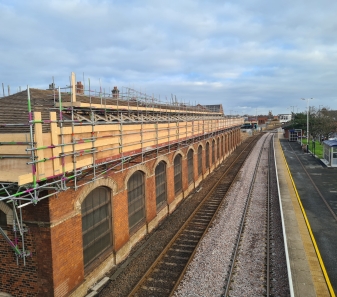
79,88
115,93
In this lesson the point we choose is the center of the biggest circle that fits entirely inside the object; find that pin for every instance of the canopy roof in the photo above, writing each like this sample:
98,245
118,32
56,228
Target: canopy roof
330,143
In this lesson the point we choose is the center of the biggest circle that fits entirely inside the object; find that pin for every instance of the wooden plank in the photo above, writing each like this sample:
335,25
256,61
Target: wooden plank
73,87
87,145
88,129
13,149
135,108
55,141
15,137
151,134
25,179
39,143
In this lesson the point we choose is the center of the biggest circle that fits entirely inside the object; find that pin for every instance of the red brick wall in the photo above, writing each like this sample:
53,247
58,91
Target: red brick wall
20,280
34,279
170,184
184,172
150,201
67,255
120,219
55,236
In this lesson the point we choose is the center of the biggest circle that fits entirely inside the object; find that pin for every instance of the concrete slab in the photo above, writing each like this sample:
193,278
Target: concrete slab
307,276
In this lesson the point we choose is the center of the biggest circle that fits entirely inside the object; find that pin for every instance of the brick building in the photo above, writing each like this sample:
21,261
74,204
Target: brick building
85,178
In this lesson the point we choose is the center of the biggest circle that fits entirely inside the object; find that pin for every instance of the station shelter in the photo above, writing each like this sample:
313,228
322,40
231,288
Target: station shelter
292,134
330,152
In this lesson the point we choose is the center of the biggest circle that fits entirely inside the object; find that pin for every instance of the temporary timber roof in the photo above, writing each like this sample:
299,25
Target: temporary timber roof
14,108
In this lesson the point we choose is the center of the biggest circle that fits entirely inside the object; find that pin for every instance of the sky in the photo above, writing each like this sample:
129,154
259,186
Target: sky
250,56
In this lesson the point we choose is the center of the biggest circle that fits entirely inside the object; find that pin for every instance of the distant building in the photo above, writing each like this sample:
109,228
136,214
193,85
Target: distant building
215,108
283,118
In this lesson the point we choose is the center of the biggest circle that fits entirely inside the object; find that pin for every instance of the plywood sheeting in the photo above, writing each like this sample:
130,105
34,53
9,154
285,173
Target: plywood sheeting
84,144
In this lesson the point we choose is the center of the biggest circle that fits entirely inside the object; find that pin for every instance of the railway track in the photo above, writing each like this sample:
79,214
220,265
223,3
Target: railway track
164,275
248,275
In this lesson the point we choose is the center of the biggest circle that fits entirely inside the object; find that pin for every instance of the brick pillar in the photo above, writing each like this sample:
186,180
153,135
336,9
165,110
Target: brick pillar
195,163
151,207
66,243
120,219
184,174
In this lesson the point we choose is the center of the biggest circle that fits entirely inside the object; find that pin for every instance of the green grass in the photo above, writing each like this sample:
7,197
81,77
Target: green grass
318,150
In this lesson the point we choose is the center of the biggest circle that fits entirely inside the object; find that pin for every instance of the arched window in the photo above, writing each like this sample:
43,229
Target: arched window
178,184
199,160
161,183
207,155
3,220
229,141
213,151
190,166
136,199
218,147
96,224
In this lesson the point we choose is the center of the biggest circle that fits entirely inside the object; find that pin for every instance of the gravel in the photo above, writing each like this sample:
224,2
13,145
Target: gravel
208,272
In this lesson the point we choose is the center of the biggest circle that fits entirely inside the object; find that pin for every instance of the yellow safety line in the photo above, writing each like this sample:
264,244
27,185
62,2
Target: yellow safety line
332,293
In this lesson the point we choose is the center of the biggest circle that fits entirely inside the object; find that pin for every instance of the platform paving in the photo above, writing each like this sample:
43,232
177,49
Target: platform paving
306,272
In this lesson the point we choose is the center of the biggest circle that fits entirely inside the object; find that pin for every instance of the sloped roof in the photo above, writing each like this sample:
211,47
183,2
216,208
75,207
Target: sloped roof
331,143
14,108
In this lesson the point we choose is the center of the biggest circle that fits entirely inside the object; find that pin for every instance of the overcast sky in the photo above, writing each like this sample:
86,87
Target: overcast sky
251,56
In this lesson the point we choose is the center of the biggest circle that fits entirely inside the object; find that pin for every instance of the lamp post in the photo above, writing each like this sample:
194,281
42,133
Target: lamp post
307,122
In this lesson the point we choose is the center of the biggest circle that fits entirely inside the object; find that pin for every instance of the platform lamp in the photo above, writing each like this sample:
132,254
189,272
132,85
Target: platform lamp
307,121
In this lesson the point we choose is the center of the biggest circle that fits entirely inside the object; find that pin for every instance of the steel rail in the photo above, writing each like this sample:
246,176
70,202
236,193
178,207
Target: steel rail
173,240
270,162
236,248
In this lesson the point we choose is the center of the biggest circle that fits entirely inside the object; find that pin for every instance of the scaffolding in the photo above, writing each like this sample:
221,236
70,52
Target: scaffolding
80,136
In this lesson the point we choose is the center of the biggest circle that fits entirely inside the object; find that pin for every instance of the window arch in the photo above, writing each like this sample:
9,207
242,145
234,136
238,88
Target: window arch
136,198
190,171
3,220
207,155
199,160
178,184
213,151
161,183
218,147
96,224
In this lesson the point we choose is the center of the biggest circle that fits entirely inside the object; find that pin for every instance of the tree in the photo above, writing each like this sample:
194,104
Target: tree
323,122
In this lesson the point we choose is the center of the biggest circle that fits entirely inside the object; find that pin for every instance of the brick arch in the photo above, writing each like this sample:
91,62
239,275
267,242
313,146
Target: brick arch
177,153
191,147
202,145
106,182
8,212
132,170
159,159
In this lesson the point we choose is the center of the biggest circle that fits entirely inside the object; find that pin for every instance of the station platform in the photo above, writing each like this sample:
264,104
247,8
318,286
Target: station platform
310,228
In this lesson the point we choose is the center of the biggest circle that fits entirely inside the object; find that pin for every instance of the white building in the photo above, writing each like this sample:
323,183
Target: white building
283,118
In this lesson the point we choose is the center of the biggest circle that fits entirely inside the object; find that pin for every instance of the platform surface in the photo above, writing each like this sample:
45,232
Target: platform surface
312,181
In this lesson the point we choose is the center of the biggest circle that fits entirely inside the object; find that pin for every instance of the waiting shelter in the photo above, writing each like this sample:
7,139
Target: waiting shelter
292,134
330,152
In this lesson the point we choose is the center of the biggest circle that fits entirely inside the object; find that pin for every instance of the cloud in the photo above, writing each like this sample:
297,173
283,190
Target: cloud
260,55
